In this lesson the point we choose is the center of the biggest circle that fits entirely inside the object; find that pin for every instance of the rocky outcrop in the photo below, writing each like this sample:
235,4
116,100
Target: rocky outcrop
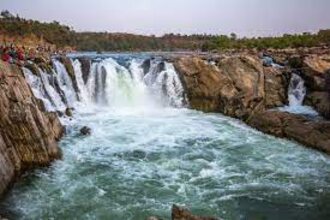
276,84
314,71
28,134
312,133
234,87
204,84
179,213
320,101
239,86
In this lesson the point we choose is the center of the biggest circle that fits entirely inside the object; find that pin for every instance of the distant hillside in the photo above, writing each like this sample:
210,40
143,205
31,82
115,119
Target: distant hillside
16,29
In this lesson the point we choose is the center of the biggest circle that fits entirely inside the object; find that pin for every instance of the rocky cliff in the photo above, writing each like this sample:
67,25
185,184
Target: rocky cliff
28,134
239,86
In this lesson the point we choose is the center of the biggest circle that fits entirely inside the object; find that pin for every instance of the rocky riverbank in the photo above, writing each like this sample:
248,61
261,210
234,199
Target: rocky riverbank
244,86
28,134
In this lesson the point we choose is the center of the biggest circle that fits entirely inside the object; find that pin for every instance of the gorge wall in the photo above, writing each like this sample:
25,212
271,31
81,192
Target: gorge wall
28,134
243,87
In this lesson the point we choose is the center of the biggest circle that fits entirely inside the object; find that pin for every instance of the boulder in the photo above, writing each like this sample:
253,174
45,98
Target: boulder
85,131
179,213
320,101
69,112
235,87
311,133
276,87
204,84
314,71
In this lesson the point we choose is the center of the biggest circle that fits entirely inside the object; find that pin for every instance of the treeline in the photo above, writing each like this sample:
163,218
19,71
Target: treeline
62,36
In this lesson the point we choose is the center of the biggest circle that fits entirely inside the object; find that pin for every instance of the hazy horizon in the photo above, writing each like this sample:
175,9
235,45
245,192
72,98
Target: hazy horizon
244,17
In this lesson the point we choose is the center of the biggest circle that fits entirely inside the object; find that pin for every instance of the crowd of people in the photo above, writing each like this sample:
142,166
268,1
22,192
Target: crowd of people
19,55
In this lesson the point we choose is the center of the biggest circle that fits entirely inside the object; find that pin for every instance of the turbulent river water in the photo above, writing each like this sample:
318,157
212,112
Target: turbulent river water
148,151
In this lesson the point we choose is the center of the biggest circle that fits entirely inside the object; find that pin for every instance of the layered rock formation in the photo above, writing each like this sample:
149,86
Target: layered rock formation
234,87
239,86
28,134
315,134
316,72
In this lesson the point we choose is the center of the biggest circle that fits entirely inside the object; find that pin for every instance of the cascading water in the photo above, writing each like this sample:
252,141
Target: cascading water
38,89
297,91
144,155
296,96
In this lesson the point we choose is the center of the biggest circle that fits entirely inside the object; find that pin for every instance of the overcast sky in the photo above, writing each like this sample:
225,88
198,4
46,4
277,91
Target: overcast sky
244,17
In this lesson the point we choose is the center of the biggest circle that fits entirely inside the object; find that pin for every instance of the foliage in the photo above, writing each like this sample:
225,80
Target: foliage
62,36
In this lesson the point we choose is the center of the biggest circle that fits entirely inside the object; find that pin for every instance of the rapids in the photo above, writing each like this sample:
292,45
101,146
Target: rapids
148,151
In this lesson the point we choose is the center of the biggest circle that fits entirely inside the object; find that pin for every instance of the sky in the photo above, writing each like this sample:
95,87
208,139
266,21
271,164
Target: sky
244,17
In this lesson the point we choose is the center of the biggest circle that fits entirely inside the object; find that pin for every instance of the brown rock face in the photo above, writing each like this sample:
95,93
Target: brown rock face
320,101
183,214
276,84
315,134
314,71
204,84
28,135
235,87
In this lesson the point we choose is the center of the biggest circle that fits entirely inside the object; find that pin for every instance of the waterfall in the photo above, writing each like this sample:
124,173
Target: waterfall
65,83
111,83
296,95
297,90
38,89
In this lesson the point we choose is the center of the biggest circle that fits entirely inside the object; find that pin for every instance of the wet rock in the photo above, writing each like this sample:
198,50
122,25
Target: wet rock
28,134
33,68
146,66
85,67
85,131
139,154
46,67
69,112
312,133
179,213
160,67
154,218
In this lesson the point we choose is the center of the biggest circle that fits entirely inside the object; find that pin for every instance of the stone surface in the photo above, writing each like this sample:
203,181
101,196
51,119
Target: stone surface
314,71
276,87
85,131
320,101
28,134
69,112
312,133
179,213
235,87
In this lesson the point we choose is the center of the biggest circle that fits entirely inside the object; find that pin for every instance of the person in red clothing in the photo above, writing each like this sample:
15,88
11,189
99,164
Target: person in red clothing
20,54
5,55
